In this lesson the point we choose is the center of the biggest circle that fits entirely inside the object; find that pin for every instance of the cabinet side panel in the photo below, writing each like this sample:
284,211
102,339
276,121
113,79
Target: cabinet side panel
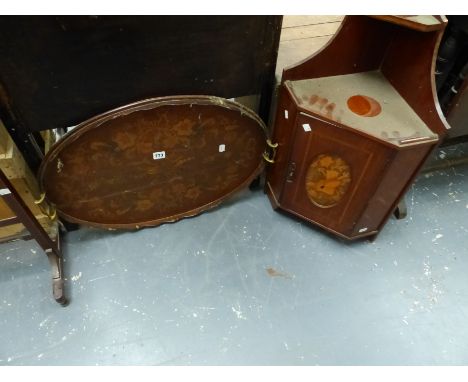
398,176
283,132
411,72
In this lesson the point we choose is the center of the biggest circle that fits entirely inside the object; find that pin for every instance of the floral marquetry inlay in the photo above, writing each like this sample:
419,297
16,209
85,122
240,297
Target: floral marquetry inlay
327,180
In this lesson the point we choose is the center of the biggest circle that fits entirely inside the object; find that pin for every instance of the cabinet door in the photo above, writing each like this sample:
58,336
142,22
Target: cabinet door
331,174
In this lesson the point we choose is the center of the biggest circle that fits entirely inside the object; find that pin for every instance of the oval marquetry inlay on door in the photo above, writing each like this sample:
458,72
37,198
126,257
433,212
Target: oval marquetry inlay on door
327,180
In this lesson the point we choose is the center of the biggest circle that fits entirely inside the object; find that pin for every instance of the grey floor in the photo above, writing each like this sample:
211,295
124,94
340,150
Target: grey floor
244,285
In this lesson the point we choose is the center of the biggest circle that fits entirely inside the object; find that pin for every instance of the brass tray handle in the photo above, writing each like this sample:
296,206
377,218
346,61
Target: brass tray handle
272,146
51,212
41,199
53,215
265,156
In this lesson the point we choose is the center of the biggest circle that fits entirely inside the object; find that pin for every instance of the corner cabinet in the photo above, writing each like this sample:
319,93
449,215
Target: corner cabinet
355,123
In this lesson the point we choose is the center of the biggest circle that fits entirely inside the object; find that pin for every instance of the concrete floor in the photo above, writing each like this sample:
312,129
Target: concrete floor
244,285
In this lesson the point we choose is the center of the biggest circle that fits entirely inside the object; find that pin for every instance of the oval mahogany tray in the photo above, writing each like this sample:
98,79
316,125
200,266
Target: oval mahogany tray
153,161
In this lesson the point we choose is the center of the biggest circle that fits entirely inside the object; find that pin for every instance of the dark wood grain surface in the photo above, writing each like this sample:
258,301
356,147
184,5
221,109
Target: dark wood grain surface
154,161
57,71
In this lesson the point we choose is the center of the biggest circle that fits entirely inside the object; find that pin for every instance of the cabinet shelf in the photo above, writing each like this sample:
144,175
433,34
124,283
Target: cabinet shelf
379,110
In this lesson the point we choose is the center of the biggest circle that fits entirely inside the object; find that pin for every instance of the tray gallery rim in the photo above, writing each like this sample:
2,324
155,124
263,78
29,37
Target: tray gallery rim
147,104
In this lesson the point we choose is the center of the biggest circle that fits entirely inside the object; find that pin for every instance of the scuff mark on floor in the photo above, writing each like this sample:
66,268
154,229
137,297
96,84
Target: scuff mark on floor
274,273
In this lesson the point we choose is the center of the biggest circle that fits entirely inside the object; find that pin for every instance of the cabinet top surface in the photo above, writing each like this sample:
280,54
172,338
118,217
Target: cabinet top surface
422,23
363,101
422,19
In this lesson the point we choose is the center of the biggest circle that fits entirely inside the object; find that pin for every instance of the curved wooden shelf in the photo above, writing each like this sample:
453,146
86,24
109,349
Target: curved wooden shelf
394,121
